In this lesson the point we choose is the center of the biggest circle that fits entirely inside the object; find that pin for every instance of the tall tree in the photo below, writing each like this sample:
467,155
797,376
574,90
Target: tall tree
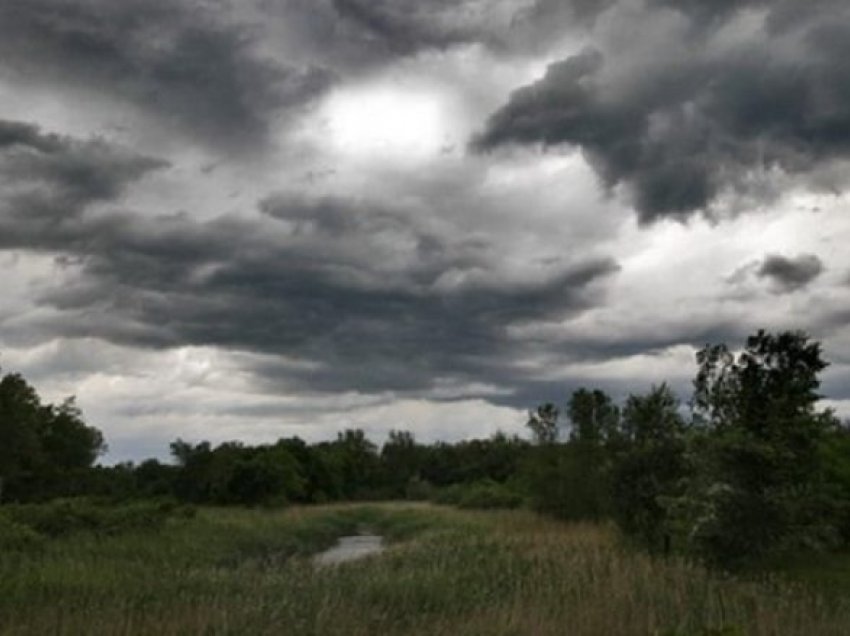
543,423
401,461
45,449
761,451
593,415
649,465
20,450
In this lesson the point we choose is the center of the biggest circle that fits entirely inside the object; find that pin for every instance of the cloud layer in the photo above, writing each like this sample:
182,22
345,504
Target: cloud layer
372,298
181,61
728,94
251,219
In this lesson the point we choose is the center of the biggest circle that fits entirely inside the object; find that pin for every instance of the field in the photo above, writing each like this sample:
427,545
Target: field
231,571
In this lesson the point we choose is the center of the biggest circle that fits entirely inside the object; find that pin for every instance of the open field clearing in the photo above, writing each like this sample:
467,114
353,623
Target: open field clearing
229,571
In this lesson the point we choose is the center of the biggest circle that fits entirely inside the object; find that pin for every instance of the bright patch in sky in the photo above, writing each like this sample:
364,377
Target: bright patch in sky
386,121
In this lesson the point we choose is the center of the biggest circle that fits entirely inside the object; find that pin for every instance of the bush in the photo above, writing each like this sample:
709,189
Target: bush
418,489
17,536
480,495
70,516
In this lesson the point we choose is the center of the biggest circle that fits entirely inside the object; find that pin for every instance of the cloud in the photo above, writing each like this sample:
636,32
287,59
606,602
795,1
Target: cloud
182,60
722,100
365,295
407,26
336,295
48,180
354,36
790,274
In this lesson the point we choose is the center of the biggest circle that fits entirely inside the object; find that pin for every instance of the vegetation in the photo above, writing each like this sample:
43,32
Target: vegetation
756,473
231,571
751,477
47,450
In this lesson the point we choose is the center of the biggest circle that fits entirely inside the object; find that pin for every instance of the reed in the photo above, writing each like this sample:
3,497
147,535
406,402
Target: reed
446,571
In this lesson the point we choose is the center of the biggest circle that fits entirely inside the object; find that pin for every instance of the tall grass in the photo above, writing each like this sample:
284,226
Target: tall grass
446,572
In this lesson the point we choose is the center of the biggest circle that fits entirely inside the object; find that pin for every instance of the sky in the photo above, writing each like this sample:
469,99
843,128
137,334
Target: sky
256,219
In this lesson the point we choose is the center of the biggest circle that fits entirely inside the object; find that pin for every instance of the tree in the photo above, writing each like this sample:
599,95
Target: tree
20,450
760,452
232,473
649,466
154,479
570,480
263,474
401,460
322,477
544,423
195,471
357,459
593,415
66,441
46,450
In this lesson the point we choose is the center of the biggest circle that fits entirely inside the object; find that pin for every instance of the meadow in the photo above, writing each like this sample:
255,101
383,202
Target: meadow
446,571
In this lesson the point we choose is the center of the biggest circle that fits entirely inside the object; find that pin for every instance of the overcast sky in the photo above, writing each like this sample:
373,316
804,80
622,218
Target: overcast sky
264,218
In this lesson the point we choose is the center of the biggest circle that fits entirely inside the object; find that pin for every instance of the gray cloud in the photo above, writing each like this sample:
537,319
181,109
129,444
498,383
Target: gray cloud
406,26
695,117
371,297
789,274
49,179
313,295
358,35
181,60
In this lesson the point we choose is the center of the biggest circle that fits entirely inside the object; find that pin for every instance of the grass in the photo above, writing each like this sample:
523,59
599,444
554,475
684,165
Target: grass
447,571
826,572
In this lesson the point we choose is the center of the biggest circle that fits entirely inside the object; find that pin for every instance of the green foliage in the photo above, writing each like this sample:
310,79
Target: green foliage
418,489
593,416
480,495
568,481
497,458
240,571
649,466
322,479
835,453
47,450
356,462
401,463
544,423
16,536
759,454
572,480
67,517
758,471
234,474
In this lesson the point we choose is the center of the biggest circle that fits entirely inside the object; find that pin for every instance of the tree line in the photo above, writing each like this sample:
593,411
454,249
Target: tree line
747,468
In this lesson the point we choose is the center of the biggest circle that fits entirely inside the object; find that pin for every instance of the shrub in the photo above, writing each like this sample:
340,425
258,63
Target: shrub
480,495
17,536
70,516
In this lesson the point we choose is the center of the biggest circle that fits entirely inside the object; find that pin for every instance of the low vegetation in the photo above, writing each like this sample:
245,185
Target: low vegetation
237,571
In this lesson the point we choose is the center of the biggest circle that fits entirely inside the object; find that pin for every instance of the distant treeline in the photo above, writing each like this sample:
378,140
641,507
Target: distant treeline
51,453
751,468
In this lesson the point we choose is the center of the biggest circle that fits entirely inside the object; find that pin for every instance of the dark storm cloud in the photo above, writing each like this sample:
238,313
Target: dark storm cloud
696,117
47,179
368,296
316,295
790,274
181,60
361,34
357,35
546,20
406,26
